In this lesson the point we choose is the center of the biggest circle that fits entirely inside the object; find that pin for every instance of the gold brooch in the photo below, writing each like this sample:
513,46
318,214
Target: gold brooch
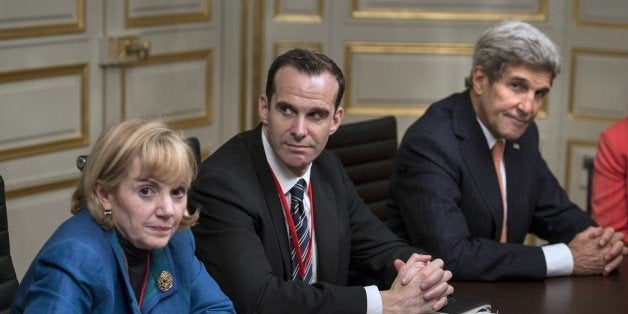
164,281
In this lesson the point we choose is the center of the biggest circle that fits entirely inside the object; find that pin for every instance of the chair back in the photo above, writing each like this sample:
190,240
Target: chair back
196,149
8,279
367,150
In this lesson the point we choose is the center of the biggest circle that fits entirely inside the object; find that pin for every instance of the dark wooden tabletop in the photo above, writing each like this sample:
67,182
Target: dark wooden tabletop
573,295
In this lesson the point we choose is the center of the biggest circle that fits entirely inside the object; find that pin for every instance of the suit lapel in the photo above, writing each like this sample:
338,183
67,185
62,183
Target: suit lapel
161,260
160,270
477,157
325,219
271,195
325,216
122,269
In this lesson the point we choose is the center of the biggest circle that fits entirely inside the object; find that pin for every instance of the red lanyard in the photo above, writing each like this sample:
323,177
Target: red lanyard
294,238
145,279
143,288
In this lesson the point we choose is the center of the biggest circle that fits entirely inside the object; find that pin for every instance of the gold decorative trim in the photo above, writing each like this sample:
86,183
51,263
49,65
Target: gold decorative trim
52,146
577,21
244,64
204,55
570,145
77,26
203,15
420,14
283,45
543,113
575,53
298,18
393,48
205,153
42,188
258,57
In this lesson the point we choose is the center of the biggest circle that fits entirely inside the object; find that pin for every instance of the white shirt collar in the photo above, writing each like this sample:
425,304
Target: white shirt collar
489,136
286,178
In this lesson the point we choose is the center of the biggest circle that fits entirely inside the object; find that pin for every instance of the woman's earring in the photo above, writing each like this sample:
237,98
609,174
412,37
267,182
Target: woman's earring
107,212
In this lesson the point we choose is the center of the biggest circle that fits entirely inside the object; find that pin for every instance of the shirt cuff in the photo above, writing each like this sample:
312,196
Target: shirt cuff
373,300
558,259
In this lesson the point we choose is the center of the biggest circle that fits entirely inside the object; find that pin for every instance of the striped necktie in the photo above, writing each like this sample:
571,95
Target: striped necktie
299,217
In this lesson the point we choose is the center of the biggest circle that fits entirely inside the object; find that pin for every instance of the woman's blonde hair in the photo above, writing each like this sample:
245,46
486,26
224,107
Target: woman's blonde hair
164,153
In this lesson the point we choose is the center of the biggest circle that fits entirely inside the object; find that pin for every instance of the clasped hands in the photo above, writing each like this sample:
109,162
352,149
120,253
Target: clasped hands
597,250
420,286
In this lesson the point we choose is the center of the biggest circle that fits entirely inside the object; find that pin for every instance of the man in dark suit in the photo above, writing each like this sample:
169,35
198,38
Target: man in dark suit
270,259
447,189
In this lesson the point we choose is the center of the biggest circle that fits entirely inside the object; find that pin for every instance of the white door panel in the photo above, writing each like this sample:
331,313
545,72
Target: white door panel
178,79
60,87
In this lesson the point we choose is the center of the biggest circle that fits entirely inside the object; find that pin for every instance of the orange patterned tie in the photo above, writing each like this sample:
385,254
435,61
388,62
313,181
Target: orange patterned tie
497,151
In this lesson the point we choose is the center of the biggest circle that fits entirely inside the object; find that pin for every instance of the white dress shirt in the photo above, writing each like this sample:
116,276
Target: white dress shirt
287,180
558,258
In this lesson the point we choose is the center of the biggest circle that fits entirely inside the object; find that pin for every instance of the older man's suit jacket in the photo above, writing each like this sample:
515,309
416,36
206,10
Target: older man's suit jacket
446,197
242,235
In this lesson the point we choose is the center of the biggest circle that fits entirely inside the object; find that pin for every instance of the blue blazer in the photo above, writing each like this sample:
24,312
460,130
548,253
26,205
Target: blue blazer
446,197
82,269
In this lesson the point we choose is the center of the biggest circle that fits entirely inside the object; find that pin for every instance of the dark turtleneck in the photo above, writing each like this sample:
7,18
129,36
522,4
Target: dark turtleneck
136,260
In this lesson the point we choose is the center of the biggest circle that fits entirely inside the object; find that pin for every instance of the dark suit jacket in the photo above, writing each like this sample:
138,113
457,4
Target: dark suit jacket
243,240
445,197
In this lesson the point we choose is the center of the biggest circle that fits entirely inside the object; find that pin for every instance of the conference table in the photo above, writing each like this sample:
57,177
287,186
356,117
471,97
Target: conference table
573,295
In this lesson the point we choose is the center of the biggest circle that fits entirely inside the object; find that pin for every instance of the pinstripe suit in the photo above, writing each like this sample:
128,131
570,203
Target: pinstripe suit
445,197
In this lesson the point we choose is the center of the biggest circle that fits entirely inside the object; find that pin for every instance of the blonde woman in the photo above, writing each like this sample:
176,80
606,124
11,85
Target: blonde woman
128,247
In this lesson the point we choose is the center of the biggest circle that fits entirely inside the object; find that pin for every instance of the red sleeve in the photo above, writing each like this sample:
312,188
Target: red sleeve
609,194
